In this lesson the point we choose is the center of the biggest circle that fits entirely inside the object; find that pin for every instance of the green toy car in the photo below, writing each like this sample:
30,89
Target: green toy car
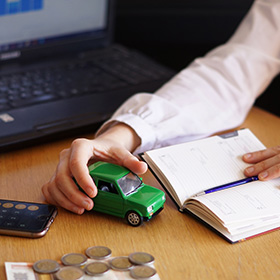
122,193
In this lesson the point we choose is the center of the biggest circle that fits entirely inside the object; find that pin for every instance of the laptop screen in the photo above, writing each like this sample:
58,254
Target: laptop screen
36,23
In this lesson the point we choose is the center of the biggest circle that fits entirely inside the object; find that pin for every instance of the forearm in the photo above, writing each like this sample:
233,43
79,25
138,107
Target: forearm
215,92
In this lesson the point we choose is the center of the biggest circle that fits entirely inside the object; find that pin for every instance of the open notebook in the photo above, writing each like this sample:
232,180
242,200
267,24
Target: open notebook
237,213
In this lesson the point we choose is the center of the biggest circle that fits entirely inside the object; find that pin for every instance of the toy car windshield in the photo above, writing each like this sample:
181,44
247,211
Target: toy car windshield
129,183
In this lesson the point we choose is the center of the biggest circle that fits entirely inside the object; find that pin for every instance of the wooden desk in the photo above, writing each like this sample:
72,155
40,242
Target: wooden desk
183,248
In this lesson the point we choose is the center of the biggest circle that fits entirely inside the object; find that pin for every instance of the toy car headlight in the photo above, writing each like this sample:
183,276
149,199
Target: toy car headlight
150,208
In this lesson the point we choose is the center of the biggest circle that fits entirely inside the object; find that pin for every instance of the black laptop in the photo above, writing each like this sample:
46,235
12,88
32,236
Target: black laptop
59,70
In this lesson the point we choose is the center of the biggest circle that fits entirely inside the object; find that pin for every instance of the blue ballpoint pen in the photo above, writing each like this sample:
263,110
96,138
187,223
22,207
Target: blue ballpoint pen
229,185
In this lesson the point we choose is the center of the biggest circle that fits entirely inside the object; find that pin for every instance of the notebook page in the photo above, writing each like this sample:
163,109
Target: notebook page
199,165
247,206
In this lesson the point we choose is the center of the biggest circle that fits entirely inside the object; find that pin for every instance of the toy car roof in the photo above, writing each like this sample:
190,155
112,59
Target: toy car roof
107,170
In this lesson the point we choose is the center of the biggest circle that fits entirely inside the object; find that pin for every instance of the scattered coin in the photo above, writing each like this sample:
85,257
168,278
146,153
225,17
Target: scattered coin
141,258
98,252
70,273
75,259
97,268
72,261
46,266
142,272
120,263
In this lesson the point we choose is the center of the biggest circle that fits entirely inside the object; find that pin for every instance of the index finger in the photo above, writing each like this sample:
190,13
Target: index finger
81,153
261,155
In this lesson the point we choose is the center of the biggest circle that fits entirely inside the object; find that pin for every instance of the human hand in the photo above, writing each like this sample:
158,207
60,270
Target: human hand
112,146
266,163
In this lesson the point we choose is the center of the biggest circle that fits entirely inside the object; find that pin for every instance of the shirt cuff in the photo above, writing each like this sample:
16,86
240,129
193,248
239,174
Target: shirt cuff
142,129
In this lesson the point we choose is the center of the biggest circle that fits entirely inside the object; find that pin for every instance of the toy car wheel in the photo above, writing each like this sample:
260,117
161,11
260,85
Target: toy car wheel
134,219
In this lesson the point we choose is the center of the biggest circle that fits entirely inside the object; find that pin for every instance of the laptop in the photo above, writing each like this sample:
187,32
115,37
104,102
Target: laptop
60,71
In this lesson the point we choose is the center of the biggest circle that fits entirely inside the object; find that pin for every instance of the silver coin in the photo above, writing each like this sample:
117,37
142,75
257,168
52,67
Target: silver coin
70,273
46,266
96,268
142,272
120,263
141,258
74,259
98,252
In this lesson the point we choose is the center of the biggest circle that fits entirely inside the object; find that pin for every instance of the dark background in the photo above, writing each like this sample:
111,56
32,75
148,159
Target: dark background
174,32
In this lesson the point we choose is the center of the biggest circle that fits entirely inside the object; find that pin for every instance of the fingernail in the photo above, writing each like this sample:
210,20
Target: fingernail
90,192
250,169
263,175
86,205
247,156
78,210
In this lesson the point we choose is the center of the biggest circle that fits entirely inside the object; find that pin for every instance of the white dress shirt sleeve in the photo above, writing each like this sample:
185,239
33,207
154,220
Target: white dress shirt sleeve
213,93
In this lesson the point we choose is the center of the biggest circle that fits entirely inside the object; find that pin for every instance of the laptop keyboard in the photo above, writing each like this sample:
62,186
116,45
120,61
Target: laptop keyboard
96,75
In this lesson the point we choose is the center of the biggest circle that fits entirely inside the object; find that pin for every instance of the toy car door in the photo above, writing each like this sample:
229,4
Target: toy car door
108,200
